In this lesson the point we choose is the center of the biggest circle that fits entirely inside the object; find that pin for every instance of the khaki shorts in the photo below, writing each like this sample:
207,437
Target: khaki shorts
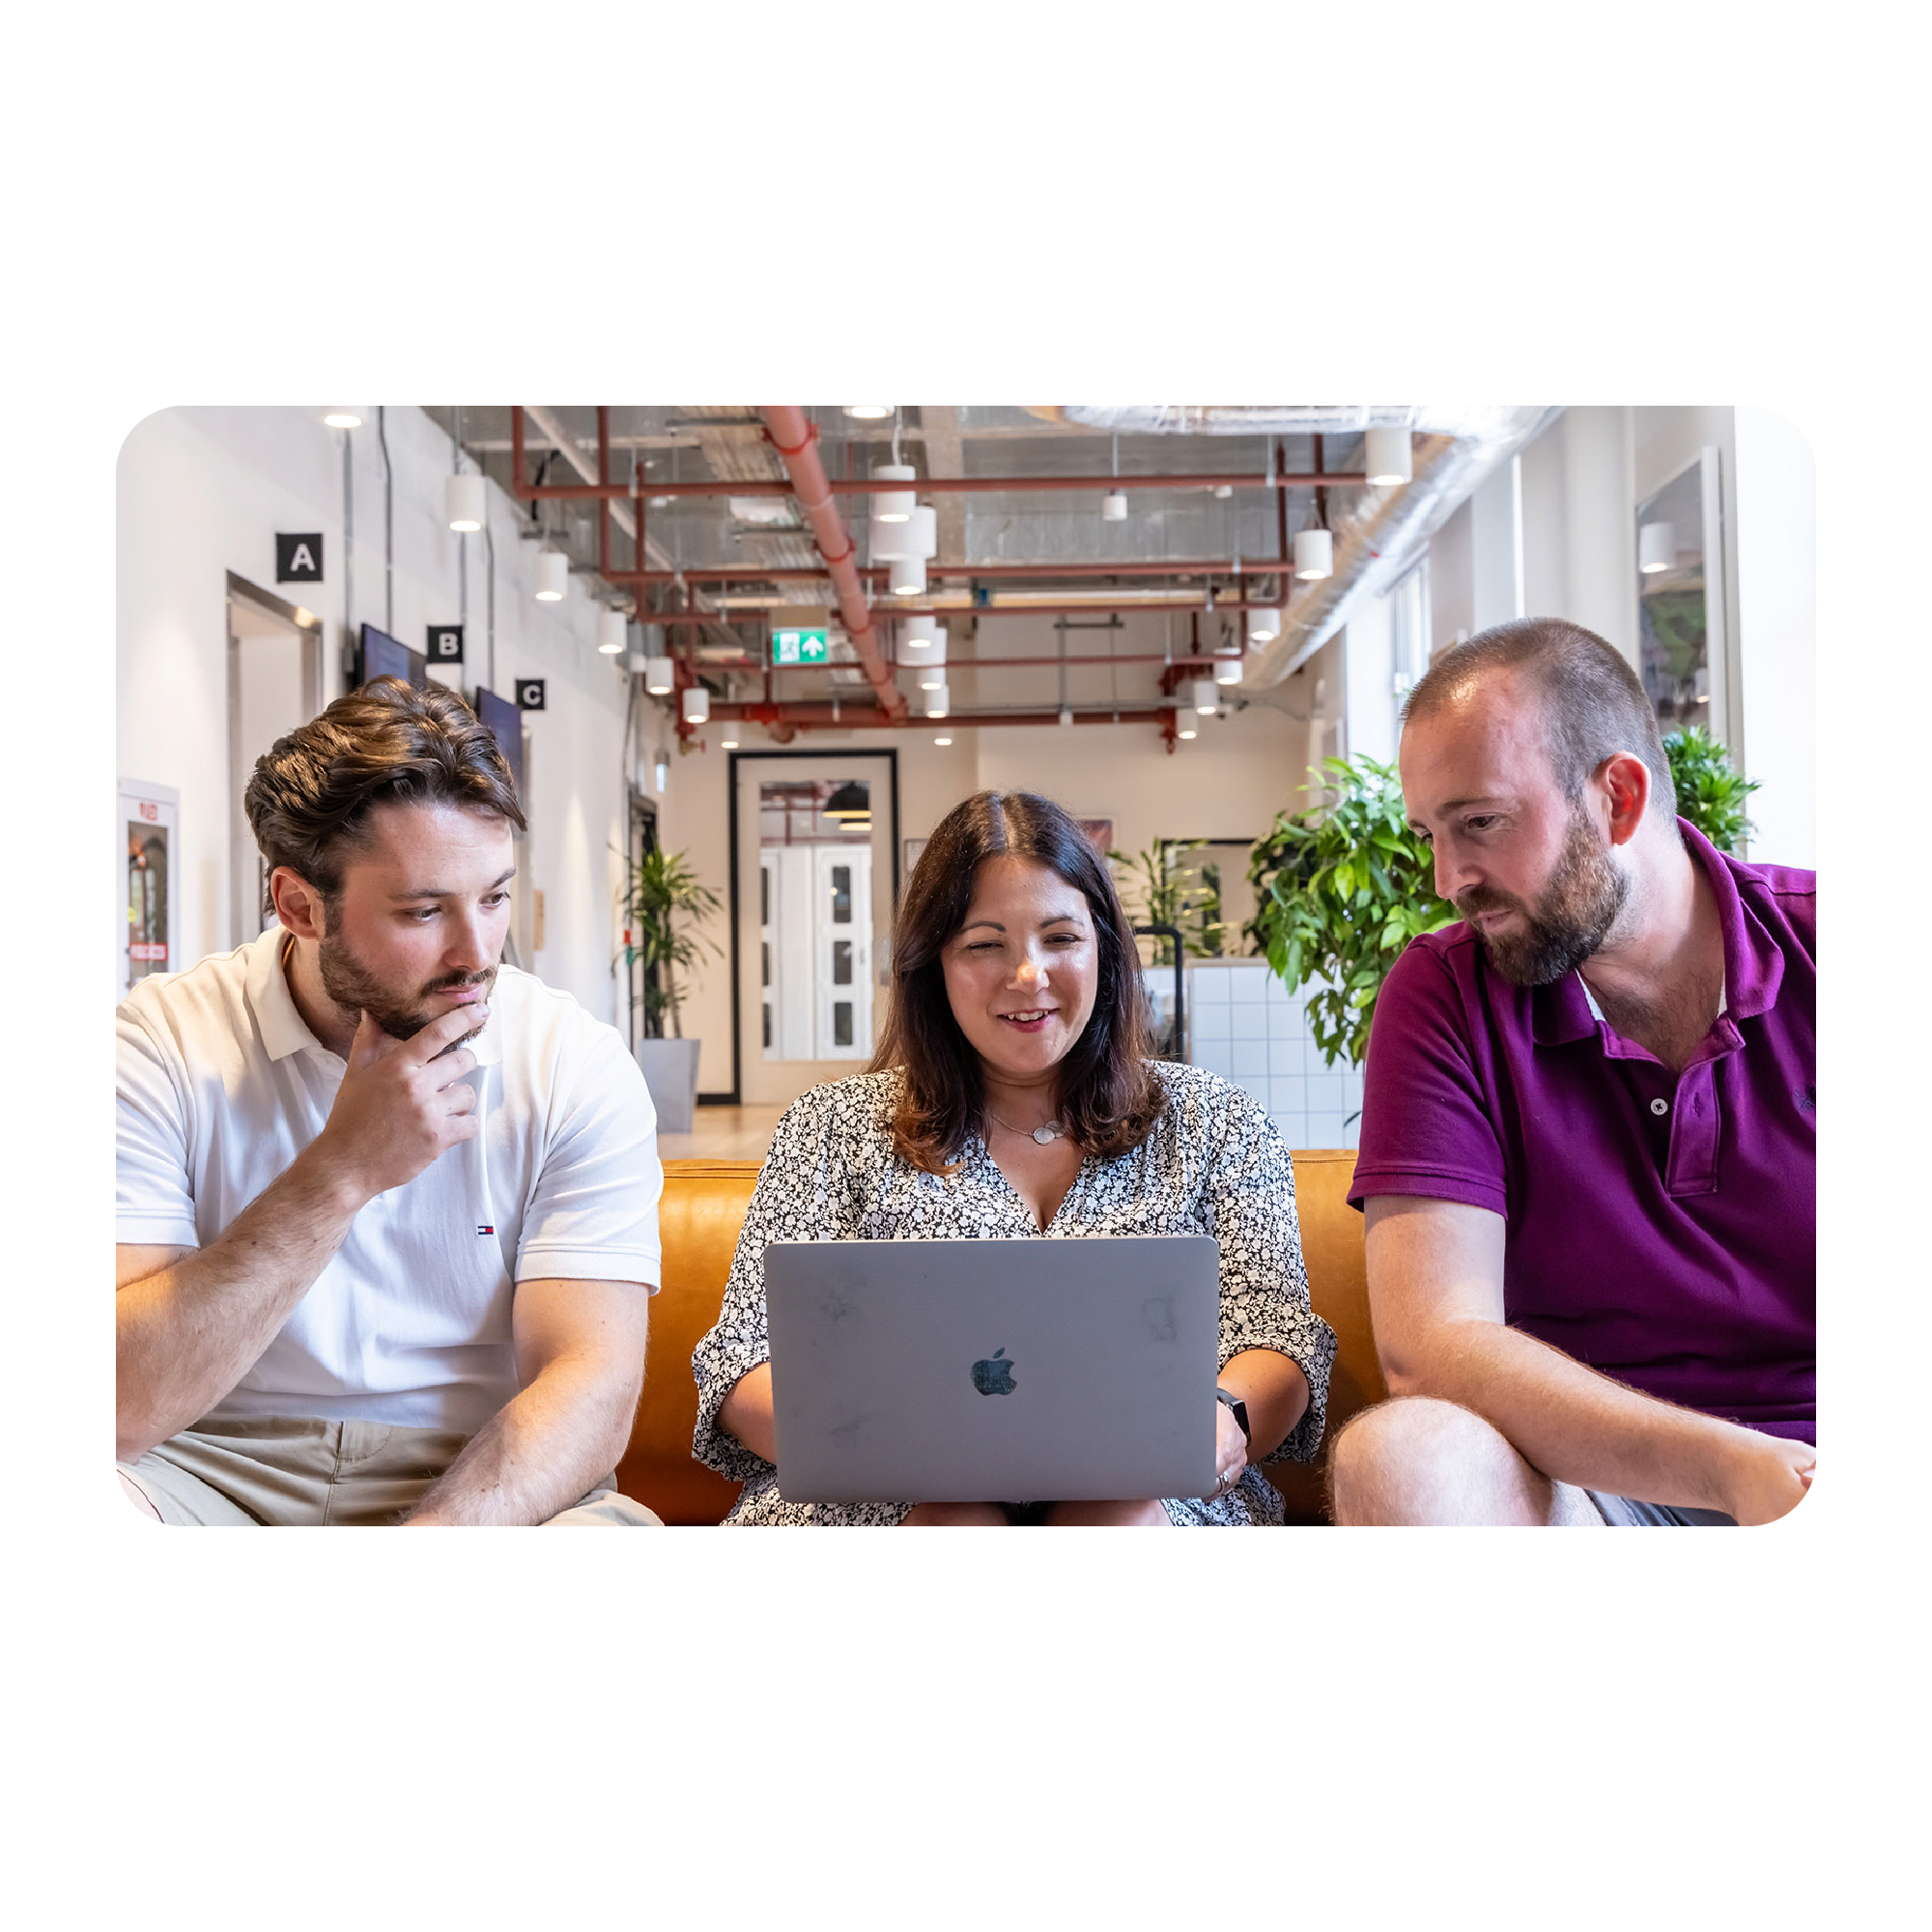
276,1469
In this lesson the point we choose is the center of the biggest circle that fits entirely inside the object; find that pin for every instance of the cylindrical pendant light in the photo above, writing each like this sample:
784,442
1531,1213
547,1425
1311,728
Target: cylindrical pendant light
919,638
466,502
729,741
1227,670
938,702
1206,695
1656,548
343,419
1185,723
697,705
868,412
916,536
1388,456
942,738
552,576
1264,626
907,576
1114,507
611,632
893,506
660,675
1314,554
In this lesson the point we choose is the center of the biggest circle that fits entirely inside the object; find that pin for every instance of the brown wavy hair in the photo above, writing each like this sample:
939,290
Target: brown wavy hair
385,743
1109,1095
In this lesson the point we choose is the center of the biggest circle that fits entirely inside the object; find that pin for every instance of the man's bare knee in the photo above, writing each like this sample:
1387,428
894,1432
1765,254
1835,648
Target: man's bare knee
138,1496
1419,1460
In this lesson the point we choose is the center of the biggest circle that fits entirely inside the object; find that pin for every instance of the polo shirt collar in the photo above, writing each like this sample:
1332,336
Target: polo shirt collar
1753,961
284,1031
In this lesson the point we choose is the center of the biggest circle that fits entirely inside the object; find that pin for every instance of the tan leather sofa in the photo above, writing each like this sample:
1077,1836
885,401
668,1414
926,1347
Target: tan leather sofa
703,1207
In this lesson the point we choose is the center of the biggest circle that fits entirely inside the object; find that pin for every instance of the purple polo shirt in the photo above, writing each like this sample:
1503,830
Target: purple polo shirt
1660,1226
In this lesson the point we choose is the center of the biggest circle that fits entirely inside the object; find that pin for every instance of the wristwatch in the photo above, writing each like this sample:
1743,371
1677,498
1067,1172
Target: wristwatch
1240,1409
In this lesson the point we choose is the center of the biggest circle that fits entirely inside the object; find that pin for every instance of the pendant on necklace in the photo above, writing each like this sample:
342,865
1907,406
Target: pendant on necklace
1049,1133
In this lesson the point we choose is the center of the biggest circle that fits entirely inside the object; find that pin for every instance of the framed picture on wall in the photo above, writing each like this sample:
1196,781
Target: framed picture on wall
149,818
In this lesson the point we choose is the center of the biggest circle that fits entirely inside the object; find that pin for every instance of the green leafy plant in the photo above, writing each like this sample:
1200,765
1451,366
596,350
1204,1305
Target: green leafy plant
1164,886
660,890
1340,888
1710,790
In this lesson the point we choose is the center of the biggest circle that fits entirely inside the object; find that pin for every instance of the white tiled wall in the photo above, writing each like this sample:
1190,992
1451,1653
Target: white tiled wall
1242,1023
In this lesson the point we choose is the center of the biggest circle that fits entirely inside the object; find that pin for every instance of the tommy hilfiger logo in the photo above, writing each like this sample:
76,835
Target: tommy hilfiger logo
481,1228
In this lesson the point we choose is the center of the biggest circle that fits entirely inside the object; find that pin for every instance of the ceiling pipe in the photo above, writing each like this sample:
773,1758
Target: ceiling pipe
751,572
796,441
845,717
953,486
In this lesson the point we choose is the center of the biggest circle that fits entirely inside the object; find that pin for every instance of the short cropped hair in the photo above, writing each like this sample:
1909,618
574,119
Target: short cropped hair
1110,1096
385,743
1592,703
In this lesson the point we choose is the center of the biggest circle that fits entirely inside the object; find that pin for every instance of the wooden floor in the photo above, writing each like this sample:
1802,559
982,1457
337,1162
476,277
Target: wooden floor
723,1133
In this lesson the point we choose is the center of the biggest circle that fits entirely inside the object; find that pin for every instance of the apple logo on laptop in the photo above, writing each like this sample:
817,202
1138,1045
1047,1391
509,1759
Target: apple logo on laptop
994,1375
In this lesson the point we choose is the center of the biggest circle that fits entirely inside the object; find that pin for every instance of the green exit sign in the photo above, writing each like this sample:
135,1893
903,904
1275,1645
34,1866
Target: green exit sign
797,648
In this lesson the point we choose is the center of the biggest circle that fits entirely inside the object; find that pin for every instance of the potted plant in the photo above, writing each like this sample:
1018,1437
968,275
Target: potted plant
1340,888
1710,790
661,890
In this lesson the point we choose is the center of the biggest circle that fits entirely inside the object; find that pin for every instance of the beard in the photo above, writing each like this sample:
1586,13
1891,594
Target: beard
1572,915
353,986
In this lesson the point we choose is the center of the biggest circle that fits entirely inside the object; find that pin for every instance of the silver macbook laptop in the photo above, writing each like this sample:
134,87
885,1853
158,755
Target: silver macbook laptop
997,1371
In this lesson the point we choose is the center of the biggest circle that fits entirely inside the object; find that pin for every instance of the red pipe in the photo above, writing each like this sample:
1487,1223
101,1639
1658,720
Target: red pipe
953,486
797,441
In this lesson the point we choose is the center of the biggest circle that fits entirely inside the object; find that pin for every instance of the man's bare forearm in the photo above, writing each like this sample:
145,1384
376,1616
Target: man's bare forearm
541,1451
1572,1424
183,1337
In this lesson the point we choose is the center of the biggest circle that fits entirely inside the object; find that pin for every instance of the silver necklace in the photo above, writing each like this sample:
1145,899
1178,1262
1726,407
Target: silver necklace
1046,1133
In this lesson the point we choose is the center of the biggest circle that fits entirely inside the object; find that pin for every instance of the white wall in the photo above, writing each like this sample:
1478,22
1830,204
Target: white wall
203,492
1777,632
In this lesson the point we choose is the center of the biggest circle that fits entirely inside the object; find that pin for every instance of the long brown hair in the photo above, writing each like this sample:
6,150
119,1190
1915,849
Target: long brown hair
1109,1096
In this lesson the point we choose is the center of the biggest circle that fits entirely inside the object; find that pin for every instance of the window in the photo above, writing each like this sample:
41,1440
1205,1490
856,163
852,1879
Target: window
842,1023
841,895
841,962
1408,634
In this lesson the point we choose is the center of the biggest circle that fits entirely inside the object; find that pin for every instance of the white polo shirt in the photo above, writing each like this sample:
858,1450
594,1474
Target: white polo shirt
221,1084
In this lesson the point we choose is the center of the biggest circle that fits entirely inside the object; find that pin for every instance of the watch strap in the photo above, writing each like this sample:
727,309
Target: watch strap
1240,1409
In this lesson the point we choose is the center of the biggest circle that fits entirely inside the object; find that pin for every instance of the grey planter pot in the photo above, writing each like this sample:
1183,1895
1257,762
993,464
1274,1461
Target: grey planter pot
670,1072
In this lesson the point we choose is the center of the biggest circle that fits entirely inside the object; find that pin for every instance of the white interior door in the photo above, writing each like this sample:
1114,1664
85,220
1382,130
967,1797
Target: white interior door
814,917
842,951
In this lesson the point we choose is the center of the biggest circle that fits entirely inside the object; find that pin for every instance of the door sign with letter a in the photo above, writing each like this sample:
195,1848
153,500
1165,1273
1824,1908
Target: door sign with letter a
298,558
446,645
529,693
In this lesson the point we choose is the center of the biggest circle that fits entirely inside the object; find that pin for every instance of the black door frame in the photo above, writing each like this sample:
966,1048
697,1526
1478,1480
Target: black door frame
890,753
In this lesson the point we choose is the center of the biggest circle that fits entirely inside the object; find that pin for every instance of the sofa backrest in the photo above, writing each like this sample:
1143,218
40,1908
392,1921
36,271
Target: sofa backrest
702,1210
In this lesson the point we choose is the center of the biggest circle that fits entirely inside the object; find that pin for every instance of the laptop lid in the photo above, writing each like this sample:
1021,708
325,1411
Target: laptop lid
994,1371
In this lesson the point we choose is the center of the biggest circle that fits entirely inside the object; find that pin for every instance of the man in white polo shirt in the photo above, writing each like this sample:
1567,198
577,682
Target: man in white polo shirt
387,1210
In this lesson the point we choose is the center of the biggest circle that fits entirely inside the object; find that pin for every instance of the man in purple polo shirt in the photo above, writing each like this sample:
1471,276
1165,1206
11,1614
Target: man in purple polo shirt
1587,1160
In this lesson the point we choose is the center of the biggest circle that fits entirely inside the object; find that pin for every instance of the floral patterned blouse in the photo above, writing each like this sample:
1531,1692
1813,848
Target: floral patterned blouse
1212,1165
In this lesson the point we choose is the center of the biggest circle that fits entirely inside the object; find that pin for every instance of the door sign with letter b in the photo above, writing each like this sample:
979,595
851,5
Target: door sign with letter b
446,645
